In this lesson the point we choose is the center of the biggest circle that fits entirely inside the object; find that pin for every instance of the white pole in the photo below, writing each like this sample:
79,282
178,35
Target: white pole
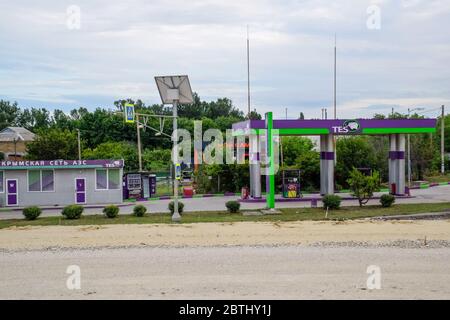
442,141
409,155
176,215
138,130
248,73
79,144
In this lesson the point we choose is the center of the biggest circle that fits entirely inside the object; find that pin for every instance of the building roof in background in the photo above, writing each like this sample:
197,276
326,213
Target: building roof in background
10,134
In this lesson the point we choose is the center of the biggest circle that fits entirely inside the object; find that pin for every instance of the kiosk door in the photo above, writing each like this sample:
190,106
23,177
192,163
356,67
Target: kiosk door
80,190
11,197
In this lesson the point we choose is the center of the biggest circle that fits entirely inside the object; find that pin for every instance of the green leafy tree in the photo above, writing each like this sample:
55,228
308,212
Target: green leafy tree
363,186
157,160
355,152
115,151
51,144
9,114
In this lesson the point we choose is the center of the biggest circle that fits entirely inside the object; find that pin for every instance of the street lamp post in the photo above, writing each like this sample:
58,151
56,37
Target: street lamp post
79,143
174,90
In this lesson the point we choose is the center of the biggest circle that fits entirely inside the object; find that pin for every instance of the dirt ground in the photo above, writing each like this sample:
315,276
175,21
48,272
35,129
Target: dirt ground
244,260
222,234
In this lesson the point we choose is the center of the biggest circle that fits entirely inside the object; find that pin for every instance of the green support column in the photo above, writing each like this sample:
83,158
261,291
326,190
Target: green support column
270,198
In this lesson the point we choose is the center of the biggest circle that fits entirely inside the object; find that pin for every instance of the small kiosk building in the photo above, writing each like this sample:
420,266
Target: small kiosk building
60,182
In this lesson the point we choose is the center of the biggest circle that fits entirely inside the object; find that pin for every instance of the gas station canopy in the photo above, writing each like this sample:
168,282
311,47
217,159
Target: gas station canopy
339,127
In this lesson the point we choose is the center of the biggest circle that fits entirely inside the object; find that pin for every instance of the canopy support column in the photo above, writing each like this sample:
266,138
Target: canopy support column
326,164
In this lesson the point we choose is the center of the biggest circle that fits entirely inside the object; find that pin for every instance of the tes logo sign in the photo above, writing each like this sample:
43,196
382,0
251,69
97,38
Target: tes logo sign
349,126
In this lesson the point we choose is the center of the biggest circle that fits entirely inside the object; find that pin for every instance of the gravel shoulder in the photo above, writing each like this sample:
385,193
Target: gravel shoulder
367,232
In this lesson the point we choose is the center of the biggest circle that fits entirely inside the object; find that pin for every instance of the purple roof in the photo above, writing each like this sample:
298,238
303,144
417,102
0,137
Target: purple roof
328,124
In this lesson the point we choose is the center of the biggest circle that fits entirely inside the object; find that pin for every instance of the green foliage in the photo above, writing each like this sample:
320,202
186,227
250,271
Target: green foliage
115,151
9,114
387,200
299,153
32,213
111,211
363,186
331,201
172,207
355,152
52,144
73,211
139,210
156,160
233,206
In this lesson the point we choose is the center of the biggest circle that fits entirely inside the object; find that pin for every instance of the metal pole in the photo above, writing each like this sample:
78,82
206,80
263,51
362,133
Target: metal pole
176,215
15,149
409,156
248,73
79,144
442,141
335,54
139,143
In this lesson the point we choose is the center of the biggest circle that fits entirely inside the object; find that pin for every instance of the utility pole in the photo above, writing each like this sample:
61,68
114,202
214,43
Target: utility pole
176,215
442,140
248,73
79,144
15,149
286,113
138,130
335,54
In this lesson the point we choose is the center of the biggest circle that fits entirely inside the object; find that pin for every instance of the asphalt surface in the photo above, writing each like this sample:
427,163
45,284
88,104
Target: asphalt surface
292,272
430,195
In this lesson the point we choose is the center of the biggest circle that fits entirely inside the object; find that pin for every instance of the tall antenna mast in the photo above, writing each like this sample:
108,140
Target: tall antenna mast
335,75
248,73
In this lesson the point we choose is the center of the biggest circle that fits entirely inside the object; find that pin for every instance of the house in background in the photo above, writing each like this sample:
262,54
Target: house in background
13,142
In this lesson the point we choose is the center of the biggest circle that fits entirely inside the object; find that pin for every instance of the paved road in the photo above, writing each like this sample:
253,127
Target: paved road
435,194
228,272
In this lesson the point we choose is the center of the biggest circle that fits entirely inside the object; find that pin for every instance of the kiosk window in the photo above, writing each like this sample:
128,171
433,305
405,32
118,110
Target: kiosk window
40,180
101,179
107,179
113,178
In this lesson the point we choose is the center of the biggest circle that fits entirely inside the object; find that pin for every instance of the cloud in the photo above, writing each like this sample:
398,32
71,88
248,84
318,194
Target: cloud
121,46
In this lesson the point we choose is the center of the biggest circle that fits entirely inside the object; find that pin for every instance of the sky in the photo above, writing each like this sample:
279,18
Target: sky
68,54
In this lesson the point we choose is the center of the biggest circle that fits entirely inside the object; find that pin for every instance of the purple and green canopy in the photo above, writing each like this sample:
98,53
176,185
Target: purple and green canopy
339,127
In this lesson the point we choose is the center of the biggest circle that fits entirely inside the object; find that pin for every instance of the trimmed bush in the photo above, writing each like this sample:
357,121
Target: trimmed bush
333,202
180,207
31,213
139,210
73,211
111,211
387,200
233,206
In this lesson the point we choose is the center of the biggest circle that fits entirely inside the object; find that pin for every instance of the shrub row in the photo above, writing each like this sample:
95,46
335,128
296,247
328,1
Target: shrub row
332,202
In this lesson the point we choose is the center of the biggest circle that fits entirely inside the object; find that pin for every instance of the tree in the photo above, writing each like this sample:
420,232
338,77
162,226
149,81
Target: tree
352,152
157,159
254,115
51,144
299,153
9,114
115,151
363,186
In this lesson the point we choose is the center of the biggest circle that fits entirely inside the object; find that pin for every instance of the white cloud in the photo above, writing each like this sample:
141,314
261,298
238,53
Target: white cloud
122,45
